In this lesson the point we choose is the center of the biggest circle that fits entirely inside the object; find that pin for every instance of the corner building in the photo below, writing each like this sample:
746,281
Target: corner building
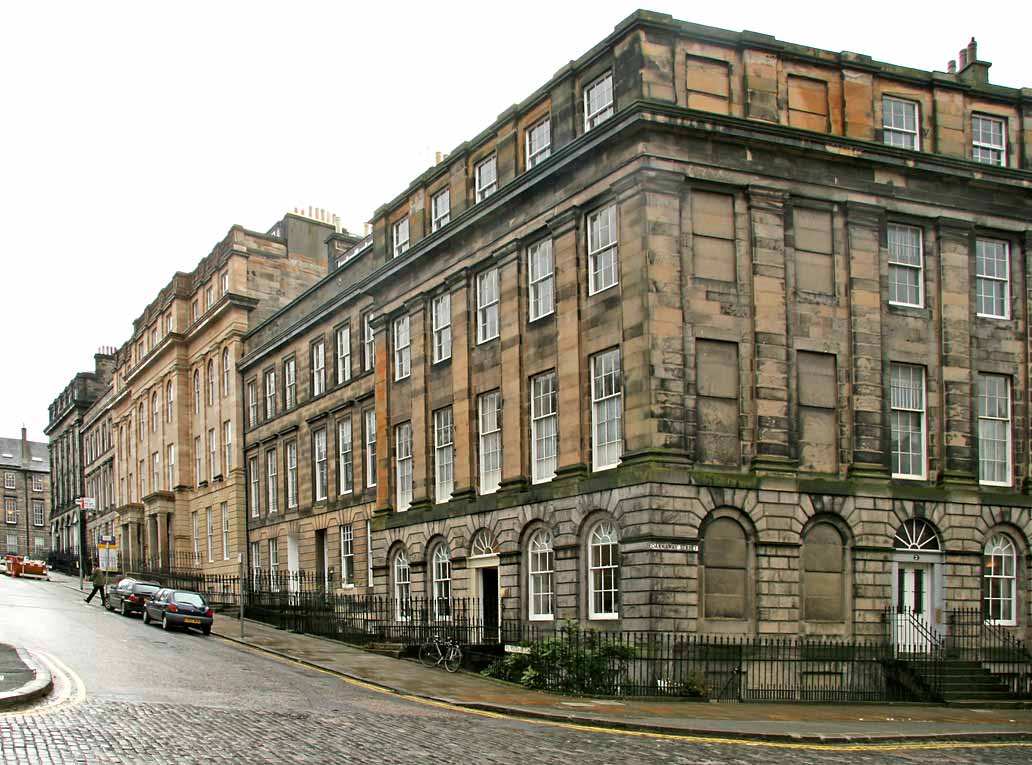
712,333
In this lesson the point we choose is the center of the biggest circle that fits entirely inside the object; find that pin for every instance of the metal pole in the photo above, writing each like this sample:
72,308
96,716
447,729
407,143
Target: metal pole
81,535
240,557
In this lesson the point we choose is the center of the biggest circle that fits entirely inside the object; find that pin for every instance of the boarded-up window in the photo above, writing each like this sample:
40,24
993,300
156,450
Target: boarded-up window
808,103
716,365
709,84
823,575
818,444
814,262
713,235
725,570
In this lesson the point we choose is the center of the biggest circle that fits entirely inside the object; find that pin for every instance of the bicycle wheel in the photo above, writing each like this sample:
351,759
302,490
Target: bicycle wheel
454,658
429,655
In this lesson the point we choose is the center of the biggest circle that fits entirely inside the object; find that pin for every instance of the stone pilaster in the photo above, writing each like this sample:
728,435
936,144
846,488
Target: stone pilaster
420,417
462,413
381,371
510,316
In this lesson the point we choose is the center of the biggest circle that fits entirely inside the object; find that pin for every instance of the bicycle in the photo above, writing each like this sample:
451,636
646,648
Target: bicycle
436,651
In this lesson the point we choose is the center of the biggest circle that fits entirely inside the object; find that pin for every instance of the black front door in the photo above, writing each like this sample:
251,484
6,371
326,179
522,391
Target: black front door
489,601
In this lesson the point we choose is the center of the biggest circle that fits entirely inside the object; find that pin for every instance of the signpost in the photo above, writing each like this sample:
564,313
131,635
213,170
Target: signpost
84,504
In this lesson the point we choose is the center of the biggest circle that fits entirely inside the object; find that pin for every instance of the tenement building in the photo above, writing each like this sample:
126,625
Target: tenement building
25,467
712,333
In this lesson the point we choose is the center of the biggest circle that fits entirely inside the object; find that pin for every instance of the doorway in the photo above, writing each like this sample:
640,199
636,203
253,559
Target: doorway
914,631
490,606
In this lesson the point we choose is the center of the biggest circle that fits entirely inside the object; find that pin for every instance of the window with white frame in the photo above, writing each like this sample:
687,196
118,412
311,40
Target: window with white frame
900,123
194,524
213,453
603,264
318,368
252,469
256,564
540,576
155,473
211,534
441,563
988,140
402,587
994,430
9,480
992,283
486,176
369,419
170,466
440,311
155,412
490,417
347,555
153,337
37,482
224,510
170,397
906,265
440,209
345,467
168,323
141,419
540,279
539,142
367,342
37,512
487,305
907,403
227,369
227,447
403,464
195,310
289,383
252,403
444,454
209,297
270,394
319,448
274,564
197,390
343,337
400,237
999,581
198,460
270,481
606,410
225,282
10,510
604,572
211,382
544,427
598,101
292,474
402,351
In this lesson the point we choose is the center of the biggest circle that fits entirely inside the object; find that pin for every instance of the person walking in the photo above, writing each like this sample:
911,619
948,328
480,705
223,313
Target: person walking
99,580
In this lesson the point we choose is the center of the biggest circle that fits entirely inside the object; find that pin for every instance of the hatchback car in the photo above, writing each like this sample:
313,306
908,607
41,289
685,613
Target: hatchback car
130,595
179,608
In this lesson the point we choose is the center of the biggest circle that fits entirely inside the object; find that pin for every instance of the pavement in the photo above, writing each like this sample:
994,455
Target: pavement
22,677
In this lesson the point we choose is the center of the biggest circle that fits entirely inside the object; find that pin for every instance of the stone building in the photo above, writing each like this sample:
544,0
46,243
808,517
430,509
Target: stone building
711,333
64,430
25,467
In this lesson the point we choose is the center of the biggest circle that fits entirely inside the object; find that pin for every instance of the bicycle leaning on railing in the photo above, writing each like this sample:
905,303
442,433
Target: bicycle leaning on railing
437,651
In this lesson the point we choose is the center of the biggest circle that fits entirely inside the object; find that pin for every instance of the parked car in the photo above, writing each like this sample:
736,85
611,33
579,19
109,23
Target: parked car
179,608
130,595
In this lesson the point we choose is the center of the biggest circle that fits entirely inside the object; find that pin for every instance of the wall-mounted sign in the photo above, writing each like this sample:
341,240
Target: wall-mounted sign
691,547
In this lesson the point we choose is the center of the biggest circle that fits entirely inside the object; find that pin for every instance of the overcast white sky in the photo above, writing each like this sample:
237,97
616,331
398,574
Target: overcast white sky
133,135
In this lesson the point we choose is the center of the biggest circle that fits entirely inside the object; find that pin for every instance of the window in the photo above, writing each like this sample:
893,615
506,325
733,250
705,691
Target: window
155,472
274,564
817,387
343,353
141,419
227,447
604,572
606,410
441,321
544,427
900,123
155,404
708,84
226,369
211,382
225,282
367,343
814,247
256,565
195,310
907,401
170,466
170,397
444,456
713,236
988,140
319,368
224,509
168,323
490,415
725,569
823,577
486,175
370,448
441,563
540,279
994,430
9,481
289,383
539,142
197,390
540,571
209,297
347,555
598,101
402,587
252,470
400,241
402,359
319,449
602,254
213,465
403,464
906,265
440,209
487,306
10,510
153,337
252,403
992,265
270,394
198,461
37,482
37,512
270,481
196,537
808,103
211,534
292,474
345,469
999,580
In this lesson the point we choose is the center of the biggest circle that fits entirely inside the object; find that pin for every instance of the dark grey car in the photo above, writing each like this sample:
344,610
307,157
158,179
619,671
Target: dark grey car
130,595
179,608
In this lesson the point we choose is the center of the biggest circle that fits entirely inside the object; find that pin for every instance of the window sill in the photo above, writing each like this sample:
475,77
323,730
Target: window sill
603,617
549,618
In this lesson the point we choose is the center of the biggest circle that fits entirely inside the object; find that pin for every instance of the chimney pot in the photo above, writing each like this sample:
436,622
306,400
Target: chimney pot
972,49
962,56
951,67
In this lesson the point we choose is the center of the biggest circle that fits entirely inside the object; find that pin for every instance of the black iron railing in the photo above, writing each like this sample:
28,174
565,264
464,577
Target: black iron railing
972,638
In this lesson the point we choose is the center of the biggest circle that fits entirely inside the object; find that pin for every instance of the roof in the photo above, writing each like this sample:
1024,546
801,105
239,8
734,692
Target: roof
11,455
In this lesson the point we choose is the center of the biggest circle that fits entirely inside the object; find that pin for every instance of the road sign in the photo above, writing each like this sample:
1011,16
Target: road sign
107,551
87,503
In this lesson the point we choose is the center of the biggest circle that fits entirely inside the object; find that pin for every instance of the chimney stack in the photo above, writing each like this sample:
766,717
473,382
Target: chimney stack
973,71
26,455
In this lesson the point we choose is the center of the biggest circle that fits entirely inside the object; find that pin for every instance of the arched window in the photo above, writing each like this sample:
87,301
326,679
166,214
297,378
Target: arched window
155,406
169,400
999,580
197,391
540,570
402,587
225,371
483,545
725,552
441,563
823,574
916,534
211,382
603,572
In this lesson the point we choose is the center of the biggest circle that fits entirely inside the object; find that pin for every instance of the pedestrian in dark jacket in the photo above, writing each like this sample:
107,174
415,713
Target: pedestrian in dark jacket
99,580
